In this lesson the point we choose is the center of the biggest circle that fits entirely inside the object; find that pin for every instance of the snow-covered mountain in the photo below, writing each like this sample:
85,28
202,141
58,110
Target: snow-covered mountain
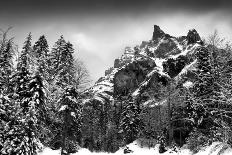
159,60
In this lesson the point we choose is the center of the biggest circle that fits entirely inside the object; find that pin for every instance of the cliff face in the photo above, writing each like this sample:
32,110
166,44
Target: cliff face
154,62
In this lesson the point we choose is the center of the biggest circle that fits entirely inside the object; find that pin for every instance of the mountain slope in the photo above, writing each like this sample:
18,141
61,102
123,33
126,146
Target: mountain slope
159,60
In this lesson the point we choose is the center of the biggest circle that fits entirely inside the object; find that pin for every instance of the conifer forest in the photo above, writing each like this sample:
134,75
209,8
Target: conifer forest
114,77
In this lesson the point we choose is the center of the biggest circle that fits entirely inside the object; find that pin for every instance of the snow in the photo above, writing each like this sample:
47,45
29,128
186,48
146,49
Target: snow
153,103
48,151
180,47
136,92
100,99
217,148
63,107
73,114
188,84
189,49
102,87
71,98
159,63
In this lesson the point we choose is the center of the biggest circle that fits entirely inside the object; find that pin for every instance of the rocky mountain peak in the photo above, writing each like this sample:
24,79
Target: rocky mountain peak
146,66
193,37
157,33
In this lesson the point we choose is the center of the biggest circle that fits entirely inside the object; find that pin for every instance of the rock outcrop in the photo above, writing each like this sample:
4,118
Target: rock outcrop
193,37
128,78
157,33
145,67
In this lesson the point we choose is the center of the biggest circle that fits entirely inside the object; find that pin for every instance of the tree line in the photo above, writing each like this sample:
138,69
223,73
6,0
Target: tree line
35,83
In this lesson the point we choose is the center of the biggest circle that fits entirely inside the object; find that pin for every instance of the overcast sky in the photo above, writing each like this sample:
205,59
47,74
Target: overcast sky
101,29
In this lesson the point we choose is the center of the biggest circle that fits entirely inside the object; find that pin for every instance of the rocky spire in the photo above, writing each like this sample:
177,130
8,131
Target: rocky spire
157,33
193,37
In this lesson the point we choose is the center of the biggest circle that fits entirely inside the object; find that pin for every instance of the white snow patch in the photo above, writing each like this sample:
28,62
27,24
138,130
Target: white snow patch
136,92
48,151
189,49
153,103
213,149
188,84
63,107
159,63
73,114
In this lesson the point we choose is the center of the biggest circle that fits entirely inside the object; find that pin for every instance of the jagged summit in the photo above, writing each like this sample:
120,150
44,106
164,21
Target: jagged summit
193,37
157,33
144,66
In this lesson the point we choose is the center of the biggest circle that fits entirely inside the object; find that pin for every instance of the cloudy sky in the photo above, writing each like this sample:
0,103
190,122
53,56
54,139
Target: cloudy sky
101,29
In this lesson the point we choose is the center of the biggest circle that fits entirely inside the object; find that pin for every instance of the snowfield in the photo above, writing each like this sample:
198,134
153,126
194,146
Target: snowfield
217,148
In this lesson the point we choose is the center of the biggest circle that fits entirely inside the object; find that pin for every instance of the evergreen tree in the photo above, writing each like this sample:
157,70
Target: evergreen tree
20,136
25,59
23,127
41,50
6,65
5,113
130,121
55,56
70,112
37,103
66,72
207,101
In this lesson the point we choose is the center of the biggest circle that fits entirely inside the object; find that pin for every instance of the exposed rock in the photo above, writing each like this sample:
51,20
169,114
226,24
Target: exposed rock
174,66
116,63
157,33
128,78
193,37
165,47
108,71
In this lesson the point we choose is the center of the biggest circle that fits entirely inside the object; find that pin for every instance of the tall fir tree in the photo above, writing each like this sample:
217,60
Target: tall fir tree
41,50
55,56
20,131
37,104
6,65
130,121
25,59
5,114
70,112
207,101
66,70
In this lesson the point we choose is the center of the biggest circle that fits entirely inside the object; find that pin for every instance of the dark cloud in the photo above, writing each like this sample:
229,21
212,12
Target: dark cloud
100,29
110,6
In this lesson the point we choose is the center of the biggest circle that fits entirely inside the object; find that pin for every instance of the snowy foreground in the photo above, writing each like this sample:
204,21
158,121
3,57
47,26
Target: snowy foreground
215,149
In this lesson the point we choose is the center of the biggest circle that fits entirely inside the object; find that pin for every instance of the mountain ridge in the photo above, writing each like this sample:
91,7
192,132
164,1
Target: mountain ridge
160,59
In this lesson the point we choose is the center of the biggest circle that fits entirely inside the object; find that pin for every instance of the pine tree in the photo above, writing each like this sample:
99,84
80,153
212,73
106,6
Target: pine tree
207,100
62,66
6,62
70,112
37,104
130,121
204,85
66,72
20,136
25,59
6,67
10,133
22,130
5,113
55,56
206,89
41,50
